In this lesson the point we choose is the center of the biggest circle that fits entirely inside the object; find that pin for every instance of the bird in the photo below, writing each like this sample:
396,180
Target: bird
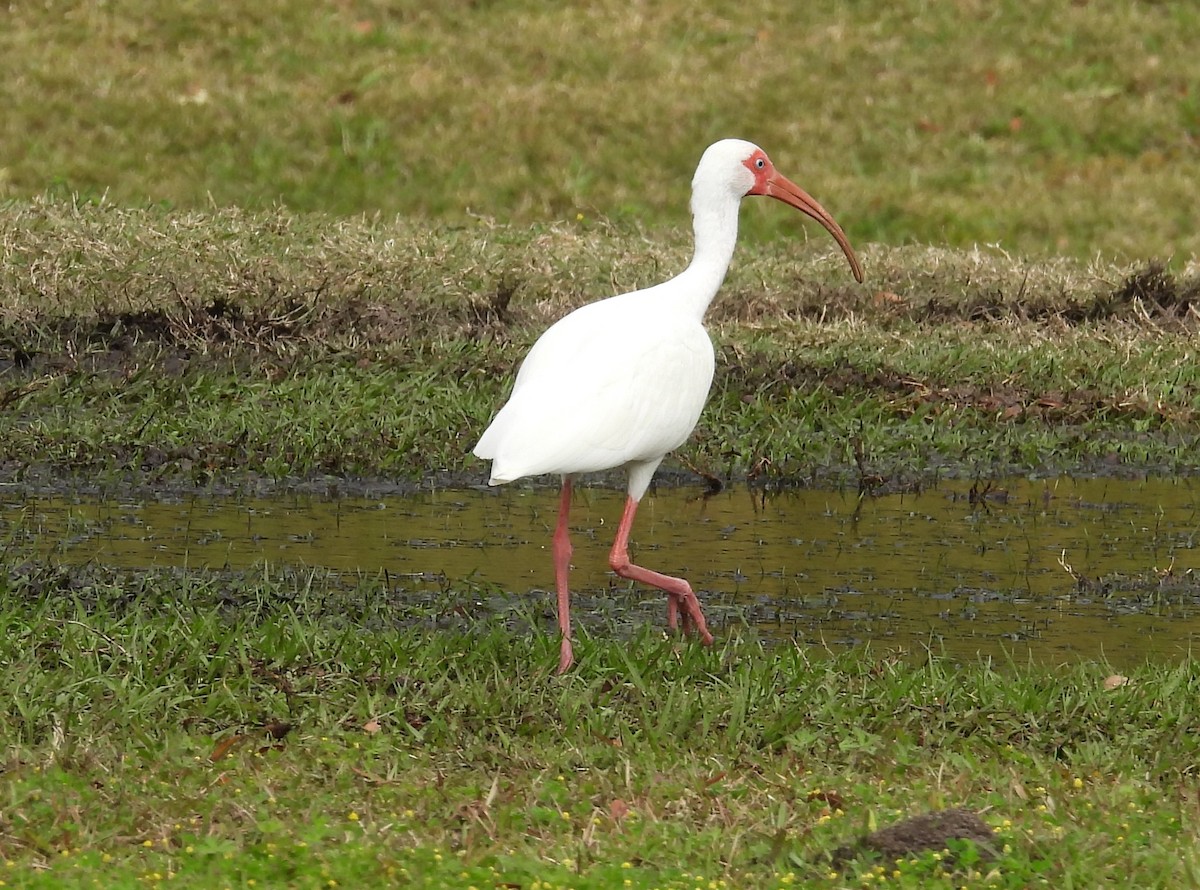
621,382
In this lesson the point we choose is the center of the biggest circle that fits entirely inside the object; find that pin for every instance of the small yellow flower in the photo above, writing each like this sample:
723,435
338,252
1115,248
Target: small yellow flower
353,817
1078,783
147,843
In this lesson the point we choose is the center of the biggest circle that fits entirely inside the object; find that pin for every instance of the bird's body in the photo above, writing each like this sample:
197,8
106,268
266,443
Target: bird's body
570,414
620,383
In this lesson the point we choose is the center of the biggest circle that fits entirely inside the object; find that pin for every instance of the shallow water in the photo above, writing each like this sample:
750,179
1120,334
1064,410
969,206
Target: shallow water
937,568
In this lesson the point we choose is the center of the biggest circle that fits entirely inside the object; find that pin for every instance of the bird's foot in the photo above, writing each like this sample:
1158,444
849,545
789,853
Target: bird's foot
673,613
689,626
693,618
565,657
685,608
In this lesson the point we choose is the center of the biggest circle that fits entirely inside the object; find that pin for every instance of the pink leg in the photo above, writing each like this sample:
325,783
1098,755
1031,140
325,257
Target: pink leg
679,592
562,571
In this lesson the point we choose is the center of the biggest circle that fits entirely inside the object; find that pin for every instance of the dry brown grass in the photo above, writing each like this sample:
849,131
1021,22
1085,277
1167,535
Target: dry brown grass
363,281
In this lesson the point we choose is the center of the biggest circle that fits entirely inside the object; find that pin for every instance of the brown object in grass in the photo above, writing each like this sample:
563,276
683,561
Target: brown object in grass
917,834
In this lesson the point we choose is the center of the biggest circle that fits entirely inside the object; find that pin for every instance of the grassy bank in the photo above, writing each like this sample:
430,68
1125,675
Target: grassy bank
293,729
1052,131
166,347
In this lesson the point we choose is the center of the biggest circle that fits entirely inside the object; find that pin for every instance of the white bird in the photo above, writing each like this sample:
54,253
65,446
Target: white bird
621,382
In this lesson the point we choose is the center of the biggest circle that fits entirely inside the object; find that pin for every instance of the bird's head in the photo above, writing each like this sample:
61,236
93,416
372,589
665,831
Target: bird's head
744,169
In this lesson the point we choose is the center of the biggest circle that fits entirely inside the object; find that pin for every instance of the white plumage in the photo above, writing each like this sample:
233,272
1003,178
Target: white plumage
621,382
596,392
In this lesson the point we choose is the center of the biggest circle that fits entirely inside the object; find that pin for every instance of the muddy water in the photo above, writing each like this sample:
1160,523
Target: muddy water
1051,569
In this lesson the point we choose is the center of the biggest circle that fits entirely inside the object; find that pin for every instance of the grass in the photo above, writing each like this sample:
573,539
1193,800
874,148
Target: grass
202,346
219,730
307,239
1066,133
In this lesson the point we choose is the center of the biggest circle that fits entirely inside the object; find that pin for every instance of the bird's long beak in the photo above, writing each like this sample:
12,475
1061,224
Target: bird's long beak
783,189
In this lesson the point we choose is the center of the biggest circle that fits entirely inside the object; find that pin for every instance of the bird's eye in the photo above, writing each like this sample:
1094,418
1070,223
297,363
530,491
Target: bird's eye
760,163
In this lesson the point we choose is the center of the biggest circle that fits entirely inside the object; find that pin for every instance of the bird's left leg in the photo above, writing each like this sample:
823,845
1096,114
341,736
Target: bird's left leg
679,592
562,573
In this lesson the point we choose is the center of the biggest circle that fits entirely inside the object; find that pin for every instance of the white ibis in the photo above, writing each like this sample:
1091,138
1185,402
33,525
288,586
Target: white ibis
621,382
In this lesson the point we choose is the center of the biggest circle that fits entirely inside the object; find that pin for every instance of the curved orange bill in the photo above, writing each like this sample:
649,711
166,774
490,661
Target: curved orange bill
783,189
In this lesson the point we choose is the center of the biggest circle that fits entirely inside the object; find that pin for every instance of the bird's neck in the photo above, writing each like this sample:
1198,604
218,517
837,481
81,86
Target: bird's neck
715,224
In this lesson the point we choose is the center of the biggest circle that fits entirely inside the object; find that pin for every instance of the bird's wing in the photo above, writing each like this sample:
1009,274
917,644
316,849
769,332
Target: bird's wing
611,383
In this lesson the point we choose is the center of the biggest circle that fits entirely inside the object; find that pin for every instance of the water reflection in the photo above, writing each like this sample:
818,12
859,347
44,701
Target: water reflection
1050,569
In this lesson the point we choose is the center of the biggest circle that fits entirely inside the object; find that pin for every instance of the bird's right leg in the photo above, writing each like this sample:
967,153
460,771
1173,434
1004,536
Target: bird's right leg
562,571
680,596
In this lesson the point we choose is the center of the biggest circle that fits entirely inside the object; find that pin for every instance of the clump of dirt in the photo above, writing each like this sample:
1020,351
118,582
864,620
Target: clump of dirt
922,833
1149,292
1155,287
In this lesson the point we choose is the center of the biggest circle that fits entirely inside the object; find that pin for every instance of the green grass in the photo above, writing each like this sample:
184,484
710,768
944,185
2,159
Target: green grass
1047,131
298,239
295,729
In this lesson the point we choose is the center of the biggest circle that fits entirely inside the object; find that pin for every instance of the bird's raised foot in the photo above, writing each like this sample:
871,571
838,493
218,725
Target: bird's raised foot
686,607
